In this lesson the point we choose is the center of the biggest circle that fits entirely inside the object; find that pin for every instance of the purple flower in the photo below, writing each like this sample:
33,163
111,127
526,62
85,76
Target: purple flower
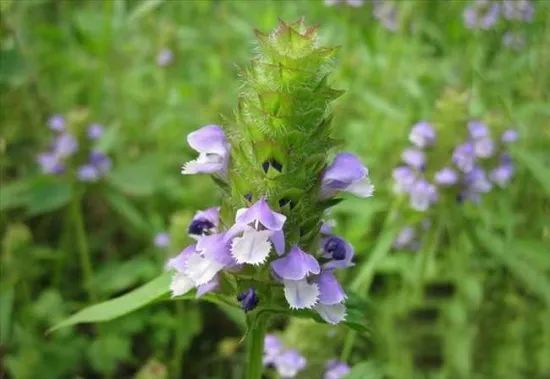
213,148
248,299
289,363
296,265
484,147
50,164
347,174
404,178
386,13
406,239
330,291
162,239
509,136
446,177
338,251
336,369
210,286
422,195
100,161
464,157
56,123
351,3
477,181
422,134
502,174
87,173
293,269
204,222
518,10
483,14
414,158
477,129
513,40
95,131
258,227
272,348
65,145
165,57
198,265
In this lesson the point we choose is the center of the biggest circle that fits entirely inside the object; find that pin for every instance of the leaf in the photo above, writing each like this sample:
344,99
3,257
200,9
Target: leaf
145,7
13,193
47,194
532,278
365,370
128,211
121,305
139,178
536,165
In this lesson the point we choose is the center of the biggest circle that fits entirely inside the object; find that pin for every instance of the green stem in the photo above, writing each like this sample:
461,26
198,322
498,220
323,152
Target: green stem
82,246
257,326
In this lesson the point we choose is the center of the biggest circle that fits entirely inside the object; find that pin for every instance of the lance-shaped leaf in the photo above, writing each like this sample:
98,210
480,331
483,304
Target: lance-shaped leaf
119,306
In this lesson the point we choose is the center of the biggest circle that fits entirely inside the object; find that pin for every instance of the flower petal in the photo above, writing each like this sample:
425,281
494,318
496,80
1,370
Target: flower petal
333,314
262,213
300,294
362,188
296,265
208,139
330,291
180,284
252,248
200,269
208,287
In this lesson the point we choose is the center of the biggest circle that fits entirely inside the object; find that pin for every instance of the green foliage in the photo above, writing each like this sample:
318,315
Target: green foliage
485,274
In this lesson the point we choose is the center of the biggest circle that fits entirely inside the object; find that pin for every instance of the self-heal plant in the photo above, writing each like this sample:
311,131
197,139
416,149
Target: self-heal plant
265,249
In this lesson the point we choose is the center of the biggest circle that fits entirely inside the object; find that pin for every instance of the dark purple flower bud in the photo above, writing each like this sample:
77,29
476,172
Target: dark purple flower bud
336,247
248,299
100,161
198,227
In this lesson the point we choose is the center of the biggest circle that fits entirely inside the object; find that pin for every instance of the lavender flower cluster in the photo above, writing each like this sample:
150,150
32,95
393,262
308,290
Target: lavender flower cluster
56,160
289,362
308,279
383,10
485,14
466,177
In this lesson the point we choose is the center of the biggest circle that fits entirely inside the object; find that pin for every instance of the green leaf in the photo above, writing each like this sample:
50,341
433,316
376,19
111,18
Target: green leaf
47,194
122,305
128,212
536,165
365,370
13,193
531,276
139,178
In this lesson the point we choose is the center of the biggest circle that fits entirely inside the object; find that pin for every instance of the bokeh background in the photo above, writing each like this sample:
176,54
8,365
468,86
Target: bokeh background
149,72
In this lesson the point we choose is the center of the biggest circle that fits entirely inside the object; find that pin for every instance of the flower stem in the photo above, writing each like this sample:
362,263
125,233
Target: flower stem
82,246
255,345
